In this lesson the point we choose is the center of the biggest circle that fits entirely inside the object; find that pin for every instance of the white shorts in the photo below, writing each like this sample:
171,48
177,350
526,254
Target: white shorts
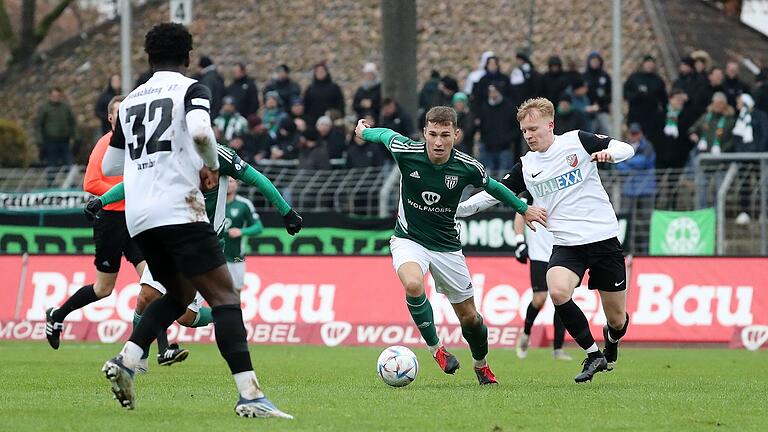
146,278
237,270
448,269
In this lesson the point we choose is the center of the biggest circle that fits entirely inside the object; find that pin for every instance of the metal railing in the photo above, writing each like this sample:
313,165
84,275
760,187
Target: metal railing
736,185
29,179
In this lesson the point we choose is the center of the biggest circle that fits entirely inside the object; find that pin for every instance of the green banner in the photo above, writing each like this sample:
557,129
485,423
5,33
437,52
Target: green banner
683,232
273,241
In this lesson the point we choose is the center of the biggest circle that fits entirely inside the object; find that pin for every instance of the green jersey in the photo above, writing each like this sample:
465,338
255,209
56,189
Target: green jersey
240,213
429,193
230,165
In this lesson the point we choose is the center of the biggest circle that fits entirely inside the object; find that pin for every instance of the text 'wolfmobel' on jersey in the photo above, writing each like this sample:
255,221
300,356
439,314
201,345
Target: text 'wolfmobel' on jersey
162,167
565,182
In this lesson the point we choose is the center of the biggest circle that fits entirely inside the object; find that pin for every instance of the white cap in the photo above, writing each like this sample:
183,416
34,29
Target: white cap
370,68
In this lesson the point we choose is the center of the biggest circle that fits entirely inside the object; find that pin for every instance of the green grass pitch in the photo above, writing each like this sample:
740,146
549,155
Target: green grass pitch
336,389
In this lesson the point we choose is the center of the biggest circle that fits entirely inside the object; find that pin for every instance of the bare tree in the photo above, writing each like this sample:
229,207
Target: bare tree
31,33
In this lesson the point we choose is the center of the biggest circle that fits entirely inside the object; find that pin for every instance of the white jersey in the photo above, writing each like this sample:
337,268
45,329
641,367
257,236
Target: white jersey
161,170
539,243
565,182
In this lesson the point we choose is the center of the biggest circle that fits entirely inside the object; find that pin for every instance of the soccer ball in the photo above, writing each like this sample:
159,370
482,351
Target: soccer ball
397,366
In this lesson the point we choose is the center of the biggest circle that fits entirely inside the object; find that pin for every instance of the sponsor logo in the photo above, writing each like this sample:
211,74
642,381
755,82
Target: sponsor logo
598,135
683,236
618,283
451,181
334,333
415,174
430,197
534,175
111,331
572,160
424,324
753,337
548,187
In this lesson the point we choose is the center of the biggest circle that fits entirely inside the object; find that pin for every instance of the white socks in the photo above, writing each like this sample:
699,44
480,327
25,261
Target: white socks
248,385
479,363
131,355
592,349
433,348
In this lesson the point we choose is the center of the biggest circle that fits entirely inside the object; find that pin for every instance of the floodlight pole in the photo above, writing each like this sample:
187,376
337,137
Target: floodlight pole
125,46
617,99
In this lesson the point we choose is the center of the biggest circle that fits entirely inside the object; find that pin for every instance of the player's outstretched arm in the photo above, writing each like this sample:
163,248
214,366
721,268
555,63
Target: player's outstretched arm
113,195
475,204
94,205
253,177
531,213
379,135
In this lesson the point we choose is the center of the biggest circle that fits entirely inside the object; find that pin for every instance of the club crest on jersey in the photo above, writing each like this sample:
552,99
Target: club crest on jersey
234,212
451,181
430,197
572,160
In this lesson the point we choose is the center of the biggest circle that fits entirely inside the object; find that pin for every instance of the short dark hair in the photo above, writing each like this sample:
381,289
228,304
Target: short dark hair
442,115
168,44
676,91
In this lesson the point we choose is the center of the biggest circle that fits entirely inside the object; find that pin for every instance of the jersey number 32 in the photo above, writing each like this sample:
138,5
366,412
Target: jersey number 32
136,115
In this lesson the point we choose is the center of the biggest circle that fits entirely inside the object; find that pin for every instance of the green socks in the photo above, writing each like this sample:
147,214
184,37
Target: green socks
204,317
477,338
421,312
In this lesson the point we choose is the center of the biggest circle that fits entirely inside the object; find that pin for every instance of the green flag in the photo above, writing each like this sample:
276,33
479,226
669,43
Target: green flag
683,232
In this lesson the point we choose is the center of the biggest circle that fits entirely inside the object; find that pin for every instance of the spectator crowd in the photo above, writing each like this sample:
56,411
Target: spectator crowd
706,109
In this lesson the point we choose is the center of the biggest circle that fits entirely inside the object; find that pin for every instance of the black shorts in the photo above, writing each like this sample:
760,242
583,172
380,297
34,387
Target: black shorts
538,276
603,259
190,249
112,241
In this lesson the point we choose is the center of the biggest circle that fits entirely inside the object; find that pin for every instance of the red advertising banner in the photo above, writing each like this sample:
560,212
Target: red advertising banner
359,301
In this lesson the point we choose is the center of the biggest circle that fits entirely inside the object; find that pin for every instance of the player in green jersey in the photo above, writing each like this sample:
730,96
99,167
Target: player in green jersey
426,238
230,166
241,220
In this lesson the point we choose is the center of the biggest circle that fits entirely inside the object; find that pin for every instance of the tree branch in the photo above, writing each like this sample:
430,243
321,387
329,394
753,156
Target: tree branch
45,24
6,31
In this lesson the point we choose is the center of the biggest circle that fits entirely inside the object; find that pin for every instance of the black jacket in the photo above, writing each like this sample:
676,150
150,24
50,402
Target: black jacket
334,142
246,95
287,89
598,85
102,106
733,88
647,97
374,94
321,96
499,129
363,155
572,120
398,122
211,79
480,89
315,157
